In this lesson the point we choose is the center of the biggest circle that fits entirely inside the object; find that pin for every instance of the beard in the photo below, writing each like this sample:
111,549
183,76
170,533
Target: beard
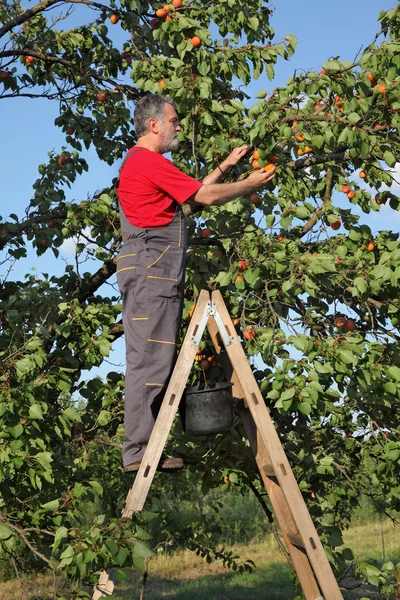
169,141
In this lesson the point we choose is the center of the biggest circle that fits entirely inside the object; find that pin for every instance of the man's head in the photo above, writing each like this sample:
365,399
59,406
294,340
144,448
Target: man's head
155,120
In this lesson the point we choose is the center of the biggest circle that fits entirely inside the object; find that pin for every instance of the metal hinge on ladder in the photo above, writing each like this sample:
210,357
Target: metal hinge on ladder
211,310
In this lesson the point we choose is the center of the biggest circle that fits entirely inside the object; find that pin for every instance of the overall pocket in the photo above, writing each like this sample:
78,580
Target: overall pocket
126,269
163,272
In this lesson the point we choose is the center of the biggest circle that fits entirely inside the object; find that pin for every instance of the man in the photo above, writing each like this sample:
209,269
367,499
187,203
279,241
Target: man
151,264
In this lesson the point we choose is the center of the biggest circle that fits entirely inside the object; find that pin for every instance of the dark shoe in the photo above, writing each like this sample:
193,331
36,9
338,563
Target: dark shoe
166,465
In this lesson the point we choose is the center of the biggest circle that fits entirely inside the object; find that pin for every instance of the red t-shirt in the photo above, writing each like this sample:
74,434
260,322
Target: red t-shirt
149,186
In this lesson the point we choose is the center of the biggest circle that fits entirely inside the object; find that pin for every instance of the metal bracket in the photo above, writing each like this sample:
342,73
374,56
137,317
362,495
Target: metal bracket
211,310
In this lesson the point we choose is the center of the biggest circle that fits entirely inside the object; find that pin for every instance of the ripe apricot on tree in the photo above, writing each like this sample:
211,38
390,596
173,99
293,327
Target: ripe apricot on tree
346,189
362,174
249,333
256,155
205,233
299,152
300,137
370,246
29,60
255,164
101,97
114,19
268,167
350,325
307,149
161,83
235,321
161,13
176,3
239,278
336,225
340,321
351,194
63,160
196,41
242,265
254,198
382,88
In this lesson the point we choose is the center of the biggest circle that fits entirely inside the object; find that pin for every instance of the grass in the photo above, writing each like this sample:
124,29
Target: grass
185,576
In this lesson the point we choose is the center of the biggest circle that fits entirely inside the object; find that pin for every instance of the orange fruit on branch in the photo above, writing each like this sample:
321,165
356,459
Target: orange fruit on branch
196,41
249,333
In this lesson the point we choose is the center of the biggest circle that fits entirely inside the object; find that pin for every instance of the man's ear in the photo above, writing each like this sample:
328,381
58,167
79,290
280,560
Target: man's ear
154,126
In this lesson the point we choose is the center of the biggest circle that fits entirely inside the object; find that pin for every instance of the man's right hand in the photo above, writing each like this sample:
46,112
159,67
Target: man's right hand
260,178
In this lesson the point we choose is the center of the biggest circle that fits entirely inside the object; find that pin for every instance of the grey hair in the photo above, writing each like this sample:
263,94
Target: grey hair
149,107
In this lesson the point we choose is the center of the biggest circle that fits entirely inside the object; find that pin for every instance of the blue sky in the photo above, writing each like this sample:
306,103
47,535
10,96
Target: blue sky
324,29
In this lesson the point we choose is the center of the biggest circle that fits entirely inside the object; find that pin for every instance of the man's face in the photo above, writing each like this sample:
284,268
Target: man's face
169,129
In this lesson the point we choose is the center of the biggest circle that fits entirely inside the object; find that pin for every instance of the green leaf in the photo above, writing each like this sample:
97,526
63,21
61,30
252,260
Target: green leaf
394,373
261,94
143,550
71,414
253,23
287,394
35,411
353,117
317,141
346,355
52,505
304,408
5,532
389,159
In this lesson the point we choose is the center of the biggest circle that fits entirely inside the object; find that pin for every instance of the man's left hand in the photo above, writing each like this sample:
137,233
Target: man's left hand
236,156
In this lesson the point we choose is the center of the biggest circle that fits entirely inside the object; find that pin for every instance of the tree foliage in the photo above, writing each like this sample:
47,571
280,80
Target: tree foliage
317,286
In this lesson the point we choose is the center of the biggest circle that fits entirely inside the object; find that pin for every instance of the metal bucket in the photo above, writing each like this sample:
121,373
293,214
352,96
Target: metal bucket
209,410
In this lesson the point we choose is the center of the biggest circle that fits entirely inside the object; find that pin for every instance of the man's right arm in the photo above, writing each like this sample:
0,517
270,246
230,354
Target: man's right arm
217,194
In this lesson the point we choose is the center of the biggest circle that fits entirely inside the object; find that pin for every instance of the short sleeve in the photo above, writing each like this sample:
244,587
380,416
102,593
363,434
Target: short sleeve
174,182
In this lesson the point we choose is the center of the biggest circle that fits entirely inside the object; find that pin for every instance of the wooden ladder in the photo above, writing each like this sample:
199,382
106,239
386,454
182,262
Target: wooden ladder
305,549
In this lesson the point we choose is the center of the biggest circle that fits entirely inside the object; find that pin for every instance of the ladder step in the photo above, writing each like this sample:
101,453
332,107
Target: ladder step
295,538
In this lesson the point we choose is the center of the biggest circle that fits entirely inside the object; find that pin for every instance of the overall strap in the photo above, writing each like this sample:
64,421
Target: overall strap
129,154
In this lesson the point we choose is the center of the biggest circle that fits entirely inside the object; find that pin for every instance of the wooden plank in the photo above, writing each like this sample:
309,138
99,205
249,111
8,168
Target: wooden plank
138,493
280,506
287,482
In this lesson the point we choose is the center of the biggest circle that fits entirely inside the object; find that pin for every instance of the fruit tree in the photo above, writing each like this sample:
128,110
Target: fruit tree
313,290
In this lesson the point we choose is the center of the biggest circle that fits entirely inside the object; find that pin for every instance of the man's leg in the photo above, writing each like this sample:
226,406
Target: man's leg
151,343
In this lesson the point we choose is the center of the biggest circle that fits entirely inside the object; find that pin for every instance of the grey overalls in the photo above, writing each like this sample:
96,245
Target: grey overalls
151,277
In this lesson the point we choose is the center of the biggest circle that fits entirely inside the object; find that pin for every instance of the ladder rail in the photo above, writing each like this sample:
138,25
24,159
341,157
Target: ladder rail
278,501
284,473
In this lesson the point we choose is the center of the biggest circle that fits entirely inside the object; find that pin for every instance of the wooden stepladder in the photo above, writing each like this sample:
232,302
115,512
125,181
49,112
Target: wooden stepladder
302,541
